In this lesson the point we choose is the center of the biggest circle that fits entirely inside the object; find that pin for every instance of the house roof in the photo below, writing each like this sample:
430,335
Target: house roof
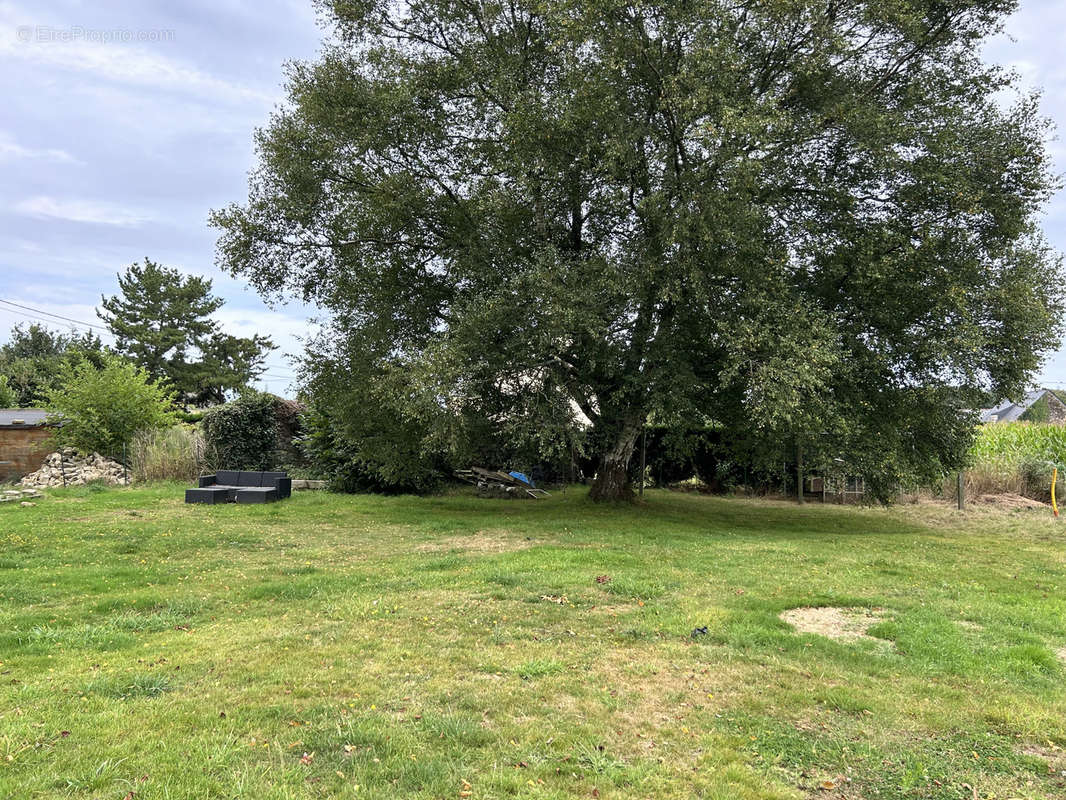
1009,411
23,417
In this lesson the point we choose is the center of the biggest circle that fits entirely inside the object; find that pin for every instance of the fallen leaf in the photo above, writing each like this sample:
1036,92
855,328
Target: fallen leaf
307,758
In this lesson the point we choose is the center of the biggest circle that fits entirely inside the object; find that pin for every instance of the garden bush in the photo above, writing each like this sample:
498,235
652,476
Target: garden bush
8,397
243,434
103,408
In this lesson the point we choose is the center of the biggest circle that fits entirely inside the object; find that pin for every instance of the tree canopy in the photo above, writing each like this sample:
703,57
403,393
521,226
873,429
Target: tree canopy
33,359
8,396
813,222
162,321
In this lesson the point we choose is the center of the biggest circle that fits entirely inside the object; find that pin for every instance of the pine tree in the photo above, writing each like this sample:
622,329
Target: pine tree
162,322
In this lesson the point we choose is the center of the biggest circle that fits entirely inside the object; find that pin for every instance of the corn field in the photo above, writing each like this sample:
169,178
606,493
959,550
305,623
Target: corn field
1016,458
1013,443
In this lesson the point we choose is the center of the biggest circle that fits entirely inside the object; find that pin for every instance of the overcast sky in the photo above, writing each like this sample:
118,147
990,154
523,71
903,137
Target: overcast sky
124,122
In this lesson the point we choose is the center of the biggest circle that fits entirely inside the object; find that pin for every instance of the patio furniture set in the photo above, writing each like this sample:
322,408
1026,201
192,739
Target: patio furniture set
233,486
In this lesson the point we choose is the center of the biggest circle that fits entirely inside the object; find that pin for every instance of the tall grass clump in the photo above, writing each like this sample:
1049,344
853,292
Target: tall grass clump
175,453
1016,458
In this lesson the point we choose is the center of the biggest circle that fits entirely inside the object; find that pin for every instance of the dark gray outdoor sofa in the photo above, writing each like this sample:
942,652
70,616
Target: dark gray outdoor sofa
231,486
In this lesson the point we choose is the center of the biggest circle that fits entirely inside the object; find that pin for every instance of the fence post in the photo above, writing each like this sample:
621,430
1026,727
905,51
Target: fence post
643,457
960,489
799,473
125,474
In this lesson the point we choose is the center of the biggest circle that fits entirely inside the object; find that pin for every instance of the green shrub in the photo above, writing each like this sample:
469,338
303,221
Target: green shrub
8,397
243,434
363,454
171,454
103,408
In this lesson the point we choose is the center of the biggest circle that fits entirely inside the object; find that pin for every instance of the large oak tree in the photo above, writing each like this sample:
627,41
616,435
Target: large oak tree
810,221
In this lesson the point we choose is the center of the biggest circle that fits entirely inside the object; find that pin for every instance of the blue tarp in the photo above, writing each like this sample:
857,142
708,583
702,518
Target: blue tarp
521,477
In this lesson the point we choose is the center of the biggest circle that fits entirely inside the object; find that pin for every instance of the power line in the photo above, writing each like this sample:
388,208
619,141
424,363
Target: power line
14,310
42,319
57,316
84,324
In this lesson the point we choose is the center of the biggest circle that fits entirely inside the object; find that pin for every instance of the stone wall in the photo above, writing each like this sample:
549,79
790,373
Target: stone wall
22,450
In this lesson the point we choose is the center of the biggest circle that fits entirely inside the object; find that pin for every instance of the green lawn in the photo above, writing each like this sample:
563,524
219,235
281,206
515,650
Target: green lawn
449,647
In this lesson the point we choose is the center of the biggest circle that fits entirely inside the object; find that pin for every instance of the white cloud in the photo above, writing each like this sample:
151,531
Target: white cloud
11,150
122,62
87,211
287,331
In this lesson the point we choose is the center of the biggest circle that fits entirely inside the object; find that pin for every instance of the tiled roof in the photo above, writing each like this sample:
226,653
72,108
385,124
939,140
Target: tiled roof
1008,411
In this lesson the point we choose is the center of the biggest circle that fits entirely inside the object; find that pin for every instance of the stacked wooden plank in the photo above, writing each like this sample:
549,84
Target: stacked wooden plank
492,483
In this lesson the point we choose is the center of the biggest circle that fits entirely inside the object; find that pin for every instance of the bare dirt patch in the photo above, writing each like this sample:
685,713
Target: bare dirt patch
1061,653
842,624
486,541
1054,756
829,787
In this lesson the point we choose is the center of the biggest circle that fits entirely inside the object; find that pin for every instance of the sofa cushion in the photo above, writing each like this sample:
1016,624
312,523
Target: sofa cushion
250,479
227,477
256,495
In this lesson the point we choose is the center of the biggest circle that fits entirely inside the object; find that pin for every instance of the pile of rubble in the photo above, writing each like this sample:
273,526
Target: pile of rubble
67,468
19,496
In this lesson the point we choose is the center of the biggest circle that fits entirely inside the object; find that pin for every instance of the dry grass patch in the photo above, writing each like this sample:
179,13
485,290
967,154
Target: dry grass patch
498,540
1011,502
841,624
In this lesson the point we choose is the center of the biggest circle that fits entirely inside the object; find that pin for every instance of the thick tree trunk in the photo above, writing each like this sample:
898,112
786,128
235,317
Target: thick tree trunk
612,476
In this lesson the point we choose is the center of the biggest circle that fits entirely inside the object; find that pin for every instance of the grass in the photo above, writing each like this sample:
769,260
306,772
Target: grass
451,647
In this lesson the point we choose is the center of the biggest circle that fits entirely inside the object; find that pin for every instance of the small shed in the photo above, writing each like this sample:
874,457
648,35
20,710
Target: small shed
24,435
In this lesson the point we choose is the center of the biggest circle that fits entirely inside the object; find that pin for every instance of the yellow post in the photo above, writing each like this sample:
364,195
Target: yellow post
1054,477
